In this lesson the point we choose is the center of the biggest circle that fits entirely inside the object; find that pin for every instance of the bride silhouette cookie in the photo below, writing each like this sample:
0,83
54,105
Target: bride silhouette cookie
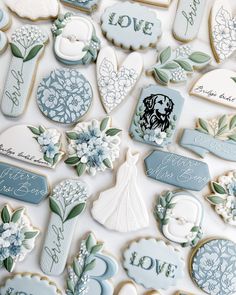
125,211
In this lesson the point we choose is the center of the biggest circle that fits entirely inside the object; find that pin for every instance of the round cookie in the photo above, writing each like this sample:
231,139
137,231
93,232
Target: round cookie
213,266
64,96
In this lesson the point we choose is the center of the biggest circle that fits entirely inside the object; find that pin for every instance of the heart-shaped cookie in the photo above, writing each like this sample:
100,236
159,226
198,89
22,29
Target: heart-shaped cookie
114,82
130,289
222,30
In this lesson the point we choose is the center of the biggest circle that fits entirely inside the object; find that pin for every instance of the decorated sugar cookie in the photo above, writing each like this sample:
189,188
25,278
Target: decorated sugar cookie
26,283
213,267
183,293
137,22
114,82
153,264
91,270
156,115
177,170
218,86
5,22
34,9
126,211
223,196
84,5
17,237
67,202
75,39
22,185
162,3
174,65
188,19
35,145
180,216
64,96
93,146
130,289
222,30
217,136
27,46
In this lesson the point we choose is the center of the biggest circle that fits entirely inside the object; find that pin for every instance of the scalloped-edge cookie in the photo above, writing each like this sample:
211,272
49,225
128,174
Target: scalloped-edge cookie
27,283
153,264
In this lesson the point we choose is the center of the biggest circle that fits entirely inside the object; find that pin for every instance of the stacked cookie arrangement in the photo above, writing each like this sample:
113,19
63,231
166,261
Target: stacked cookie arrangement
64,96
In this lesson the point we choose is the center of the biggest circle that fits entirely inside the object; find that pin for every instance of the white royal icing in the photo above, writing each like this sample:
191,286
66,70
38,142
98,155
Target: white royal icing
164,3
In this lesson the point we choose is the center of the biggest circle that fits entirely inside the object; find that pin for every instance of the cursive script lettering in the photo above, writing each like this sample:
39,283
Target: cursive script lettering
213,94
191,14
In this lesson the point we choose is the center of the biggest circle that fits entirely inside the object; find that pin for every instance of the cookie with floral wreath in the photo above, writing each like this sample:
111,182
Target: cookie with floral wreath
93,146
17,237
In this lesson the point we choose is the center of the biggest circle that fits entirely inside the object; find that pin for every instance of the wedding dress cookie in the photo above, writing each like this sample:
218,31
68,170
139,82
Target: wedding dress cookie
5,22
126,210
114,82
34,9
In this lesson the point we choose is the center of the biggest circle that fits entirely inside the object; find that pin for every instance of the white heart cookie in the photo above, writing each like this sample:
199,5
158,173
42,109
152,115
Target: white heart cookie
222,30
130,289
116,83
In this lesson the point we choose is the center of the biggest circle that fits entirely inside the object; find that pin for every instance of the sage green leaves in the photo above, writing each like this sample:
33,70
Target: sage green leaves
174,65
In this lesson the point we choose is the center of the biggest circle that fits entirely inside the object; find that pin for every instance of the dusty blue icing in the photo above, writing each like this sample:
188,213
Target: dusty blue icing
130,25
153,264
201,144
177,170
4,20
21,184
88,5
213,267
64,96
156,115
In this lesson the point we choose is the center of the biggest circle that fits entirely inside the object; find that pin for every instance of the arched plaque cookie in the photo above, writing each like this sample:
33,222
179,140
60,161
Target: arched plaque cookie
75,39
153,264
64,96
131,25
213,267
218,86
156,115
27,283
180,216
84,5
5,22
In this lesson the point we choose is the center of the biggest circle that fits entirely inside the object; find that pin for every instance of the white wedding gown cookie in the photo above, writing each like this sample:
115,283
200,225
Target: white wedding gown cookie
34,9
122,208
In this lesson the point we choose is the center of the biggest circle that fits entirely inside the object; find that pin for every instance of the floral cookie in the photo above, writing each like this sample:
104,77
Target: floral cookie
75,39
64,96
43,146
156,116
93,146
222,30
115,83
67,202
223,197
5,22
217,136
17,237
34,9
91,270
180,216
27,46
213,267
126,211
174,65
26,283
84,5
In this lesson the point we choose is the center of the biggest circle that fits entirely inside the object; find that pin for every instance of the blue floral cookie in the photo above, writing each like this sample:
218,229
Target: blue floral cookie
213,267
64,96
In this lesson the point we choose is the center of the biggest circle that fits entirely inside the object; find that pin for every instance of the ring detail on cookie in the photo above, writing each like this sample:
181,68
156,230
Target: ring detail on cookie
116,83
5,22
91,270
213,267
75,39
156,116
180,216
64,96
67,202
126,210
217,136
93,146
17,237
84,5
174,65
131,26
27,46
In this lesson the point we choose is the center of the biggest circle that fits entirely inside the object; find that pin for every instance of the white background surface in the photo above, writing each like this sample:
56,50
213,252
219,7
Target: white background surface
194,107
